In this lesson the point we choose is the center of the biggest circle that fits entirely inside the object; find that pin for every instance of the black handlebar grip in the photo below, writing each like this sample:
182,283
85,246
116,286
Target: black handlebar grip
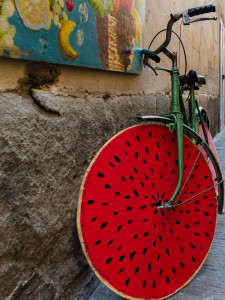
201,10
156,58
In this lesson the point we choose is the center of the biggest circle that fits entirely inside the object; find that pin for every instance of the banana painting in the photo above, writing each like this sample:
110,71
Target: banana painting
64,44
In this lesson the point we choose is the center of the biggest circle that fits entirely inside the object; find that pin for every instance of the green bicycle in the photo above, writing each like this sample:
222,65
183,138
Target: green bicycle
149,200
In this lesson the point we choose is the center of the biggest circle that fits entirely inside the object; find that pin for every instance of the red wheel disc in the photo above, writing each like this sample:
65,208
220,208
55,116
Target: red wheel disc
136,249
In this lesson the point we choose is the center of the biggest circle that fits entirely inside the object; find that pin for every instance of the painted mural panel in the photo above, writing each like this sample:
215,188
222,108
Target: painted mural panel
103,34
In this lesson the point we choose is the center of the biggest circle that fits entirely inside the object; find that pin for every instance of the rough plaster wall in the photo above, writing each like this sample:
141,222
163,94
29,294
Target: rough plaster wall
53,121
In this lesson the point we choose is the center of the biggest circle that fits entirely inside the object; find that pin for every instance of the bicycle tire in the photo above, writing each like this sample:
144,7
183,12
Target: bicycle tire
116,231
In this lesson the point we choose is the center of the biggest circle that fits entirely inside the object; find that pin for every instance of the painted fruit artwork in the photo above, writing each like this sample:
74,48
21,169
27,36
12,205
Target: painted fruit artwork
137,249
103,34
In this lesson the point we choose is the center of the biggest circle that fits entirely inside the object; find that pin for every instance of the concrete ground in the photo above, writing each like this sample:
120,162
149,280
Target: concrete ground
209,283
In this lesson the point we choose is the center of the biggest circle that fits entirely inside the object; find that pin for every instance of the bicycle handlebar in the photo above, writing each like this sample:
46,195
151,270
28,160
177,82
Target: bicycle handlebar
175,17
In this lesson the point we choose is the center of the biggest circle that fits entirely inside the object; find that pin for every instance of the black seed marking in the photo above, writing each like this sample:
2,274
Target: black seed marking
145,220
171,230
132,255
135,193
135,170
188,155
176,162
128,144
144,284
169,153
104,204
135,236
123,178
182,264
157,157
107,186
160,238
146,177
167,279
136,154
153,197
160,272
117,193
167,252
205,197
196,223
146,233
163,225
155,212
192,246
206,213
149,267
144,161
181,249
160,177
173,140
94,219
177,222
185,167
188,211
205,177
211,205
136,270
197,234
130,221
90,202
163,195
206,234
115,213
146,150
109,260
143,207
150,134
117,159
131,177
119,228
103,225
126,153
165,164
197,202
210,223
119,248
198,186
173,171
158,258
181,211
201,248
153,284
146,196
97,242
101,175
127,281
145,250
142,184
186,226
138,138
127,197
192,176
193,259
120,271
128,208
196,167
122,258
153,245
110,242
157,144
163,137
112,165
186,146
174,271
162,213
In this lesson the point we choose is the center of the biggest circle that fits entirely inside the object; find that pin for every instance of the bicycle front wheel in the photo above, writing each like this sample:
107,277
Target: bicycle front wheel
138,250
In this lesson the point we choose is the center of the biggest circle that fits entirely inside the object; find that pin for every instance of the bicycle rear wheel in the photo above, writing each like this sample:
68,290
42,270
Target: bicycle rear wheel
136,249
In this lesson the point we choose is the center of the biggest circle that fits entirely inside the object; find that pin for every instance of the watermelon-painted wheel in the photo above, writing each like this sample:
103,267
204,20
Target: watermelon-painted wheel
137,249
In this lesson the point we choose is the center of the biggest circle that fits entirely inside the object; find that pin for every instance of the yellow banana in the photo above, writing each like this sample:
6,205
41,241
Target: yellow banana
64,45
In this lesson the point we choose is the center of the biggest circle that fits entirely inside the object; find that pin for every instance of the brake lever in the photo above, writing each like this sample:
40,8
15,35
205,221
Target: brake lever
187,20
146,63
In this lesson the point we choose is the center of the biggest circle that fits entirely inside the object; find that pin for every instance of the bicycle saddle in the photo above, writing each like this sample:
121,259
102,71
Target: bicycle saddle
192,78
